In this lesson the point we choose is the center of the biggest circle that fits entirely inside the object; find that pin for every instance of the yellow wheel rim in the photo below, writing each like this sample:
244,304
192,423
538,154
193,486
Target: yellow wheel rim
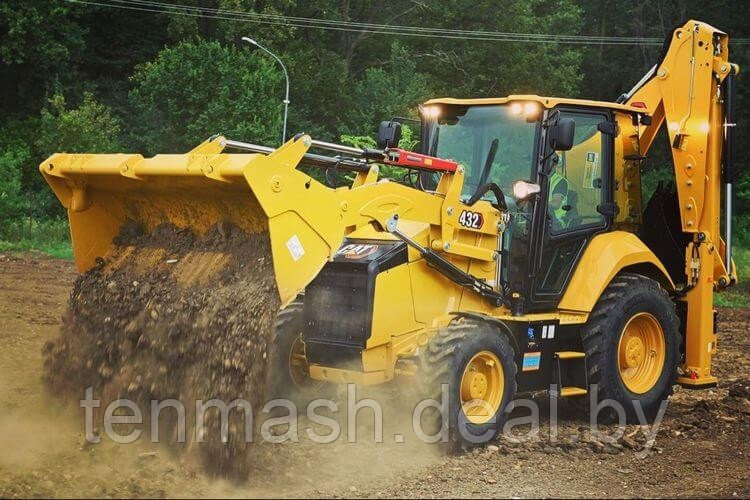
482,381
641,353
298,367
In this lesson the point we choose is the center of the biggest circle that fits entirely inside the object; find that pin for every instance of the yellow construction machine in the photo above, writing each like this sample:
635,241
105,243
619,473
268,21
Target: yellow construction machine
517,254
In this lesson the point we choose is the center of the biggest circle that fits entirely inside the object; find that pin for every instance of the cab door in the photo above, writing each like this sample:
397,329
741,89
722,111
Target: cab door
576,199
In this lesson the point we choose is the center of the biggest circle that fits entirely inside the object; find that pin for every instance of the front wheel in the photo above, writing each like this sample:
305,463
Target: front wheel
632,345
475,363
288,373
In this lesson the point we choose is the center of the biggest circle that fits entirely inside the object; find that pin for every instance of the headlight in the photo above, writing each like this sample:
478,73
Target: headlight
528,109
523,189
531,109
431,111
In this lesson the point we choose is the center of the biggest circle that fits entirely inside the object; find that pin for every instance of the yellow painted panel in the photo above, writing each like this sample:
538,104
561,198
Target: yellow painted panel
393,308
606,255
434,294
298,253
549,102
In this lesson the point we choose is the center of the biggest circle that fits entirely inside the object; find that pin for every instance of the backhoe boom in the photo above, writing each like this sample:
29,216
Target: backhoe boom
690,91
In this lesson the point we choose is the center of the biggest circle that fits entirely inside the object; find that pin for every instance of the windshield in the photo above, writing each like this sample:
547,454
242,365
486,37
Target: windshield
493,143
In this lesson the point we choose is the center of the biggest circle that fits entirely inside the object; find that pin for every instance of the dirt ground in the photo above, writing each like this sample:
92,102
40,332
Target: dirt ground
701,448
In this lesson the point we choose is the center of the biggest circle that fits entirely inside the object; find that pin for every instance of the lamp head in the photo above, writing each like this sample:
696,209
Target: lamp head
523,189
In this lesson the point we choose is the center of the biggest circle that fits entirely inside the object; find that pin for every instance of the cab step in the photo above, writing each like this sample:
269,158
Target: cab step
573,380
570,391
570,355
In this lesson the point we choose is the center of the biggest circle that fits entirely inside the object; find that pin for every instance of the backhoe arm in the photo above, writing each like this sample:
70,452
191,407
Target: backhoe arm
687,91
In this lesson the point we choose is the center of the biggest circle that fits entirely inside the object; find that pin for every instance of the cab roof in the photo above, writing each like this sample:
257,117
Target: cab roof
547,102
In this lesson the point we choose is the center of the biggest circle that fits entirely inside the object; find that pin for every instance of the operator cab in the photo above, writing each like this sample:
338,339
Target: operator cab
557,153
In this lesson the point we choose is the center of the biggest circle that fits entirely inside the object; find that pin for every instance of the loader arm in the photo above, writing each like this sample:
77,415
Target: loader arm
689,91
307,220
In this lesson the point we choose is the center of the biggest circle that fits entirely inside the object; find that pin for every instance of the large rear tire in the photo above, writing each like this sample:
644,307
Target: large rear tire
632,345
477,363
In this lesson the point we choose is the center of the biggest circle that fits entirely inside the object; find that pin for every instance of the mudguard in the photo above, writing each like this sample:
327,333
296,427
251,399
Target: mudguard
607,255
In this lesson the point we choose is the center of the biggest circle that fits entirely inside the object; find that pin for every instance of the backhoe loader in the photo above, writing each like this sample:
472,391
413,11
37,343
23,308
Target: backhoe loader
516,255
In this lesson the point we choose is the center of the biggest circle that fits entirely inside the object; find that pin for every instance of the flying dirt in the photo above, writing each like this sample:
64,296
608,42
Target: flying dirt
169,315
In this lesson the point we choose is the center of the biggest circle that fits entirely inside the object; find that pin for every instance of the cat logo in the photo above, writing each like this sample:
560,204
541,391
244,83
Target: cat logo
357,250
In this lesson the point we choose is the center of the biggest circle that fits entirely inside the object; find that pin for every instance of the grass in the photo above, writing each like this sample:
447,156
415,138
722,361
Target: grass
51,237
738,295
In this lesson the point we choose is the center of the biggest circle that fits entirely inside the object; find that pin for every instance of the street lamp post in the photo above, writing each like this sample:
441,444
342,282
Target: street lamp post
286,75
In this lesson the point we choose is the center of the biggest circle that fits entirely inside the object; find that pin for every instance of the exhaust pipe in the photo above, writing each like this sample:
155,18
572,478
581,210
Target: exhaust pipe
729,126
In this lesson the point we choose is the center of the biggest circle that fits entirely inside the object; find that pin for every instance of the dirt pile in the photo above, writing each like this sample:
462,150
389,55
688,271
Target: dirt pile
728,407
170,315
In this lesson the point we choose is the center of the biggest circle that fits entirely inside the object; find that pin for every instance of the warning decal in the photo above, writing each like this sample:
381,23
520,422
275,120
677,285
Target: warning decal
591,170
531,361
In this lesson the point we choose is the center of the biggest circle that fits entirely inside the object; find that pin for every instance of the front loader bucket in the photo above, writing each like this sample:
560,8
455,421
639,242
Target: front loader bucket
196,191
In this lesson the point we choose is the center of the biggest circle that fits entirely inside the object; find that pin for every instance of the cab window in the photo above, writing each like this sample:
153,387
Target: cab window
493,143
575,184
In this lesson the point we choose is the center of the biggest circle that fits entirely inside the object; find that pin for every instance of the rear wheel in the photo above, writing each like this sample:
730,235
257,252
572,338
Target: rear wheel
476,363
632,345
641,353
289,374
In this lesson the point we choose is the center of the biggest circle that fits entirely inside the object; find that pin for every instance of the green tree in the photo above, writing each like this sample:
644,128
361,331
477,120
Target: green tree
40,43
196,89
115,42
473,68
388,91
408,141
12,199
89,128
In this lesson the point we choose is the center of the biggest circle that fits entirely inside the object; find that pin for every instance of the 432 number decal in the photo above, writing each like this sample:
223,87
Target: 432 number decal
473,220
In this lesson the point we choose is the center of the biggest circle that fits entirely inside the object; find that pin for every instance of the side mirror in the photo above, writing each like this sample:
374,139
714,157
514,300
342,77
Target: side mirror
561,134
389,133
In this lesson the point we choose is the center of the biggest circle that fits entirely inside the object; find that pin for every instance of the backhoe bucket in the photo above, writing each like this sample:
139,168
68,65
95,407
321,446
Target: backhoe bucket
255,192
